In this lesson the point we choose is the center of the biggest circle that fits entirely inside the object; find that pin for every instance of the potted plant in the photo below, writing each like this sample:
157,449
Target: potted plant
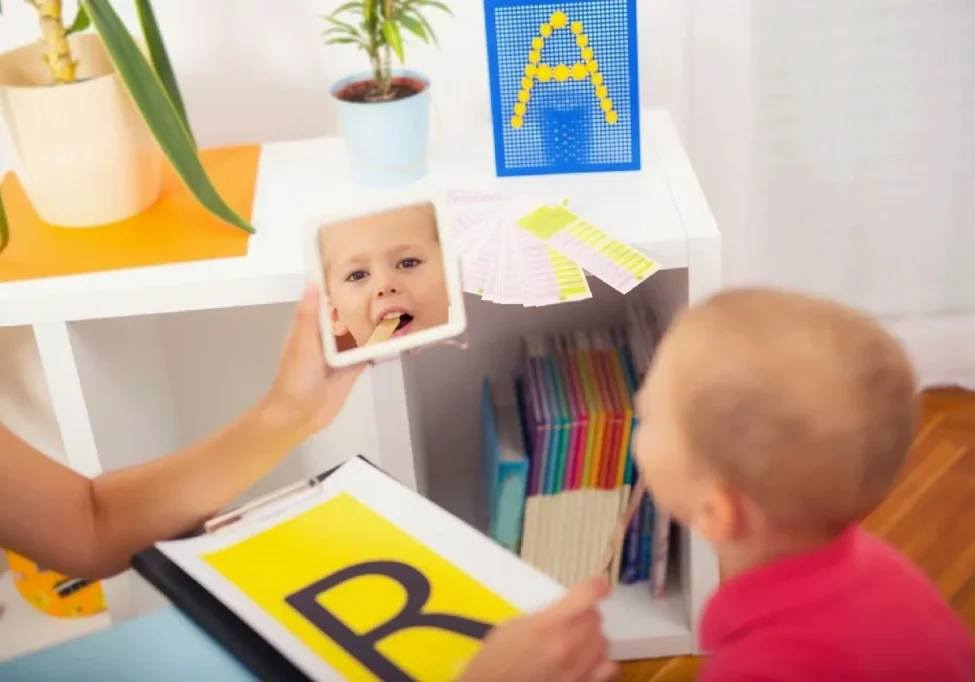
87,116
384,112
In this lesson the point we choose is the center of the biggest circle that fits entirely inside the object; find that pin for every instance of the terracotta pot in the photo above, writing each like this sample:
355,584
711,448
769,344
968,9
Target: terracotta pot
82,151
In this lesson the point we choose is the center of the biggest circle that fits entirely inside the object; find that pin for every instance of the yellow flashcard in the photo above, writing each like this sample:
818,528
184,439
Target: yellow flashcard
619,265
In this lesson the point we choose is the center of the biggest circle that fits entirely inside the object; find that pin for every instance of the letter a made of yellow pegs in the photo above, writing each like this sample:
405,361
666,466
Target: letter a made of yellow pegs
586,67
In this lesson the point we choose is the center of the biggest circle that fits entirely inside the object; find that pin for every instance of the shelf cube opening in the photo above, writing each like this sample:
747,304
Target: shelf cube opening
153,384
445,390
26,407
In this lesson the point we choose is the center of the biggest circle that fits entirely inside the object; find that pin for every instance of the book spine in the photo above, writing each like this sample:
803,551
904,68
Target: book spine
646,537
510,503
661,551
489,461
630,571
524,439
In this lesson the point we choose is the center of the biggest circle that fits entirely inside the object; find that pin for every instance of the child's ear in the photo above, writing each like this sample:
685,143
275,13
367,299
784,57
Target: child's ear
720,517
339,328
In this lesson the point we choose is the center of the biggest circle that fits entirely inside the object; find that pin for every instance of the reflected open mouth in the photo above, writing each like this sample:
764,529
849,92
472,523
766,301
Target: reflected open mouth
405,321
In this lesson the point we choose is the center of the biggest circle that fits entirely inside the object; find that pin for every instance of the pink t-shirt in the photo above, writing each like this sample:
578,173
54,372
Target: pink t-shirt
854,611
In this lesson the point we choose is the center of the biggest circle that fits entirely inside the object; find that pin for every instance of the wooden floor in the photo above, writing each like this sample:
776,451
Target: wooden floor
930,516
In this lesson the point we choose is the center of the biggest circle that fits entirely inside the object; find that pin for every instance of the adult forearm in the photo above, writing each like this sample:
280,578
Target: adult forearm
90,528
134,507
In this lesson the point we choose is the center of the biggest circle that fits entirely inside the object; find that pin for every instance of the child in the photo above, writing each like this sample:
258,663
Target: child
385,266
772,423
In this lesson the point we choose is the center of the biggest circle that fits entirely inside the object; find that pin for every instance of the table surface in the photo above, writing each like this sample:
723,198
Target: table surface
160,647
302,179
165,646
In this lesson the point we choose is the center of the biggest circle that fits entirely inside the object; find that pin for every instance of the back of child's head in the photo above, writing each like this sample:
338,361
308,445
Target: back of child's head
804,406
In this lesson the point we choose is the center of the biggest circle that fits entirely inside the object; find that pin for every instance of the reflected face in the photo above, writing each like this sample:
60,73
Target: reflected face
382,266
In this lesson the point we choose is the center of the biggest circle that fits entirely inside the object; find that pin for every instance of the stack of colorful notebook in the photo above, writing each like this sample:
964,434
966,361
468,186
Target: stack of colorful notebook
558,464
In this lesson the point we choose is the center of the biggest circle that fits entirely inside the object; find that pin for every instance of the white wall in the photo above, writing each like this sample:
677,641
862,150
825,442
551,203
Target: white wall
257,69
836,145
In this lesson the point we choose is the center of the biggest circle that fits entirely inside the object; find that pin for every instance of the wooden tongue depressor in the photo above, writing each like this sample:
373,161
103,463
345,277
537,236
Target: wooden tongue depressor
383,331
615,544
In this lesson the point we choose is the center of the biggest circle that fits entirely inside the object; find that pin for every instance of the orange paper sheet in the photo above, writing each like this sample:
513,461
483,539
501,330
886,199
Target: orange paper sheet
176,229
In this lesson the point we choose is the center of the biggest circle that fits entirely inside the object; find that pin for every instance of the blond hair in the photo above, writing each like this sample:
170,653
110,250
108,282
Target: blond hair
804,405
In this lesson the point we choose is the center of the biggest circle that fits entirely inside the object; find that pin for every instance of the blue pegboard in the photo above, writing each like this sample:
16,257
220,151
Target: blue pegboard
564,85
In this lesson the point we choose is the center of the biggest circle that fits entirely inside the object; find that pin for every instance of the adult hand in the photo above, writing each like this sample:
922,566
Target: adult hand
307,394
564,643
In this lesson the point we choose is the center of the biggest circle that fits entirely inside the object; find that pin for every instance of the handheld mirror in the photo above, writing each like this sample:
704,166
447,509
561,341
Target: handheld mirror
388,279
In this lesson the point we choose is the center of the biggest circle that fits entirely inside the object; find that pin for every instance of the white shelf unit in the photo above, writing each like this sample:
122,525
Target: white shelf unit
127,366
444,394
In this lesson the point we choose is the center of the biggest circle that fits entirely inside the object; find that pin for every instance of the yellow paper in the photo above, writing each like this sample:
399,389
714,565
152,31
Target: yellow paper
619,265
545,221
569,277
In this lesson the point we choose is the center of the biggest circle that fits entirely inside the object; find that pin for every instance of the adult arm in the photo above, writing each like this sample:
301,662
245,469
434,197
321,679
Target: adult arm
89,528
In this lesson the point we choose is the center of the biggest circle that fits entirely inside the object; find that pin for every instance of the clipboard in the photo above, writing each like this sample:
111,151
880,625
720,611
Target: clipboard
211,615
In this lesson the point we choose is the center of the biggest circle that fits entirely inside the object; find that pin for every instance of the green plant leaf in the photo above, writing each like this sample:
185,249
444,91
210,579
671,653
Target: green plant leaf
336,36
370,10
344,30
4,228
344,41
158,111
340,31
394,38
426,25
81,21
414,26
356,5
338,23
160,60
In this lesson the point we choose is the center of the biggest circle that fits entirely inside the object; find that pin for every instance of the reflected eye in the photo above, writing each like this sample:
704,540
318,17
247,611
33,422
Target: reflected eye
356,276
409,263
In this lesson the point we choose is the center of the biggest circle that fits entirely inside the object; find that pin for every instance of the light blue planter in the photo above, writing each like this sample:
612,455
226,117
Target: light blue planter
387,142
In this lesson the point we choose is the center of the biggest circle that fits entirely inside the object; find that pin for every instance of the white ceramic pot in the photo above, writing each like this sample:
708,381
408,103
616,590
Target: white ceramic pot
387,142
82,151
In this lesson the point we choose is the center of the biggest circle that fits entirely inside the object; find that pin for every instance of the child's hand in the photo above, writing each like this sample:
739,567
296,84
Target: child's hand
307,393
564,643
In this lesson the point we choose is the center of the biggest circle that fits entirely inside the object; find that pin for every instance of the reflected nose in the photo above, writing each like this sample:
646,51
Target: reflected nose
385,284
